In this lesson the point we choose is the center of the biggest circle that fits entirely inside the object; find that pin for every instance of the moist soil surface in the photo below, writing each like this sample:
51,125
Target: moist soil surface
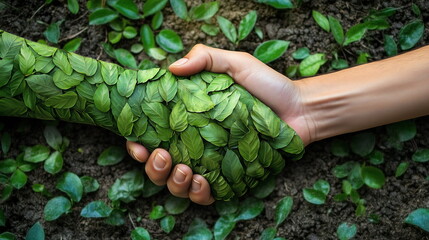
392,203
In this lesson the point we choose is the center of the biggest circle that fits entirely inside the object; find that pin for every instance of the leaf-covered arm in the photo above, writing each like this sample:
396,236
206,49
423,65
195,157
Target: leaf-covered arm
206,121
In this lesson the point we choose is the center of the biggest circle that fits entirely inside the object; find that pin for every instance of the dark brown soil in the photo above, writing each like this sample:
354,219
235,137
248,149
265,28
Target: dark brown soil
392,203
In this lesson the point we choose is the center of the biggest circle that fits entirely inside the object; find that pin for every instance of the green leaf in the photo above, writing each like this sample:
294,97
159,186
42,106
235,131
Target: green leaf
126,7
339,148
125,121
219,83
130,32
268,233
102,98
5,142
127,82
116,218
6,67
7,235
73,6
84,65
167,223
195,99
419,218
102,16
56,207
311,65
178,117
401,169
193,142
111,156
179,8
411,34
157,53
227,28
70,184
323,186
170,41
54,163
26,60
167,86
37,153
41,49
402,131
128,187
362,58
9,45
279,4
223,110
8,166
248,146
12,107
227,207
283,208
140,233
29,98
136,48
355,33
224,226
157,20
204,11
96,209
249,209
346,231
125,58
340,64
150,189
265,120
89,184
264,188
109,73
52,33
157,212
210,29
73,45
336,29
372,177
321,20
376,157
390,46
150,7
64,81
18,179
61,61
63,101
174,205
157,112
362,144
247,24
43,85
232,168
36,232
147,37
314,196
301,53
269,51
421,155
214,134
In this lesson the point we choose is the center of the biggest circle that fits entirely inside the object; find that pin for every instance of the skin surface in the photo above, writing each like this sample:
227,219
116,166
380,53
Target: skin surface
319,107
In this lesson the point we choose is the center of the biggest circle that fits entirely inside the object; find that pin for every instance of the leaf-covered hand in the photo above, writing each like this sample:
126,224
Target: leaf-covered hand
271,87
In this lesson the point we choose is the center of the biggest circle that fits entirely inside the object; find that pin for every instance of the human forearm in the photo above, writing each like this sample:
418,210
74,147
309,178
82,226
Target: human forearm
367,96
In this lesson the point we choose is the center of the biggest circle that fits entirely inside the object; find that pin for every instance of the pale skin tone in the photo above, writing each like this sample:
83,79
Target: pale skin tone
319,107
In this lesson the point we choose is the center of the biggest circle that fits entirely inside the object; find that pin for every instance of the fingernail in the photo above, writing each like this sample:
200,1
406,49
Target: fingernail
179,176
134,156
196,186
180,62
160,161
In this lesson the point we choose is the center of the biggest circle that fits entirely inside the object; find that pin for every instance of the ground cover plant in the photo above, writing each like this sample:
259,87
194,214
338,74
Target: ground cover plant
72,181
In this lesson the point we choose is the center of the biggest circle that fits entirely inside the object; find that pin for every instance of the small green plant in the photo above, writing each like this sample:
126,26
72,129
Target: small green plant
346,231
419,218
317,195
